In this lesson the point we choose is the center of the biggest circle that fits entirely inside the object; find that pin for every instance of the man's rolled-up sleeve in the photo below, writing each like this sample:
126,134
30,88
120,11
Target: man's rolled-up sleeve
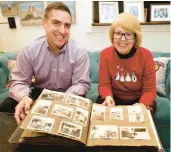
21,76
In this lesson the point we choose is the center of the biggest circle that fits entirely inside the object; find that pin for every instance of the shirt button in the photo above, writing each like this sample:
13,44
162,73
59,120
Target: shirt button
54,70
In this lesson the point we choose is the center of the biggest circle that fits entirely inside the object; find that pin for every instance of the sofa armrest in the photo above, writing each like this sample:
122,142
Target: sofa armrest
93,94
162,120
162,115
167,81
3,94
3,79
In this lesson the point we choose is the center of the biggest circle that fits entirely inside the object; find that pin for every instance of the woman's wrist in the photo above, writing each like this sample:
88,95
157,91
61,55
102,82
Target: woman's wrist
108,97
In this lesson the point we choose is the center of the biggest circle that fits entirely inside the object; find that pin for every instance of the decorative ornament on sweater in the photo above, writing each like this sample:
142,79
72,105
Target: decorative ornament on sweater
129,77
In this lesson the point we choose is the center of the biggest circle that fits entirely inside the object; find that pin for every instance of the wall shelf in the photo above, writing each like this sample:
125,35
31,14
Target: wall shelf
147,4
144,23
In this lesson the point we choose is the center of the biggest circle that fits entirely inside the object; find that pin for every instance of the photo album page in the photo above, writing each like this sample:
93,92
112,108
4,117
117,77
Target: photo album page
59,114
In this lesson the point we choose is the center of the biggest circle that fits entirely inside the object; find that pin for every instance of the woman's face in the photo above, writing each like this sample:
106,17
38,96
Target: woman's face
123,40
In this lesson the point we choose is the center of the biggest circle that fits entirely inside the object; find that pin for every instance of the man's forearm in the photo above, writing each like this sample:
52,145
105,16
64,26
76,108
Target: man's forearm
17,92
78,89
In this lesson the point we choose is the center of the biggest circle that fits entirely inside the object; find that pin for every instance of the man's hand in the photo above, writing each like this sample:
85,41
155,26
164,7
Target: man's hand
108,101
22,109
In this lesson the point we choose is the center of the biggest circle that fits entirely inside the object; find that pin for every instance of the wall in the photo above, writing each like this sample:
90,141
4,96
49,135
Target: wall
155,37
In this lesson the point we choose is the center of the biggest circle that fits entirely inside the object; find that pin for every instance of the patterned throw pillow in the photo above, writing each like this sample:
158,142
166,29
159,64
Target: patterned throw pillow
160,68
11,64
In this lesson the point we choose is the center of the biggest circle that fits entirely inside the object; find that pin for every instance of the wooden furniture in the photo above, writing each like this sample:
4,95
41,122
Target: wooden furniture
147,4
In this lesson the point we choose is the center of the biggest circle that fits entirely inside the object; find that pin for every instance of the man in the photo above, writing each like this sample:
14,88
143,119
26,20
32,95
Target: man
56,61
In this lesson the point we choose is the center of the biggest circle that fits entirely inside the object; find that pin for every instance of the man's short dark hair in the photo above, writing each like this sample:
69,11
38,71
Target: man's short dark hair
57,6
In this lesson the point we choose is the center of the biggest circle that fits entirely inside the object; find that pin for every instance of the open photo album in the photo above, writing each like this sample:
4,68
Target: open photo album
63,119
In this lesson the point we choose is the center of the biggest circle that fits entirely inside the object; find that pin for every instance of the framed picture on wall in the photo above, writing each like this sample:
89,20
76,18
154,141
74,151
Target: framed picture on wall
160,12
145,14
9,8
135,8
108,11
72,8
31,13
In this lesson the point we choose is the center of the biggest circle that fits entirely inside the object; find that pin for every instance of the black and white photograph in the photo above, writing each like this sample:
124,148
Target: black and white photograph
78,101
52,96
134,133
70,129
116,113
63,111
104,132
135,113
41,123
81,116
160,12
98,113
41,107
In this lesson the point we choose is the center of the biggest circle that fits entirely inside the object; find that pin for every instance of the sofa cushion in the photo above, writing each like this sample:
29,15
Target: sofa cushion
11,64
3,94
4,58
160,68
162,115
3,79
4,64
167,149
92,94
94,68
162,120
167,82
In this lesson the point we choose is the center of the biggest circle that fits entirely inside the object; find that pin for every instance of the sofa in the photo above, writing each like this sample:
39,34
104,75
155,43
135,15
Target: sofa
162,115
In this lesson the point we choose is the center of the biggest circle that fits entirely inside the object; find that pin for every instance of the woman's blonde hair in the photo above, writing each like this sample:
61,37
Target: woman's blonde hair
128,22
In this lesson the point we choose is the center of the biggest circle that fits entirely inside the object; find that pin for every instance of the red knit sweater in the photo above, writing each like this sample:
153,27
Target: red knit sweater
127,79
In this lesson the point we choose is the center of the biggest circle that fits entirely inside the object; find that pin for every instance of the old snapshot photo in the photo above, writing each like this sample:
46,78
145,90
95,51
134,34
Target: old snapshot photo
52,95
81,116
135,114
62,111
116,113
134,133
41,107
41,123
104,132
98,113
78,101
70,129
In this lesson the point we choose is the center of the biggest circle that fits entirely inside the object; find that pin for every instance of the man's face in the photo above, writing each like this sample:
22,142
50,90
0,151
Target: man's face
57,28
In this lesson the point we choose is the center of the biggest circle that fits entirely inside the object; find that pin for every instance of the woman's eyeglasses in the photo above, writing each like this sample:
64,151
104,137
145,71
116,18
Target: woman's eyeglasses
128,35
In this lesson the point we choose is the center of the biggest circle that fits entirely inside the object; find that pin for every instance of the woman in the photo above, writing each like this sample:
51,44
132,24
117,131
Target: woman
126,70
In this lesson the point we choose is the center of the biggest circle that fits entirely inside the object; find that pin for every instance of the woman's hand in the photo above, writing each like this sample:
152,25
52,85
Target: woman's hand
108,101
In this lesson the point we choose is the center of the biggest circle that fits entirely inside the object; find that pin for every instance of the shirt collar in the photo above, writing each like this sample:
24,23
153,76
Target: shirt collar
63,50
